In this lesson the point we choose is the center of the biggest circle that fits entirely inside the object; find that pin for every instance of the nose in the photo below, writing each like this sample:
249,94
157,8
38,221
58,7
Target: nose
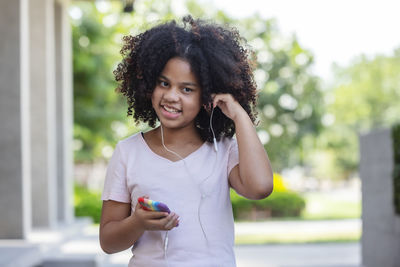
171,95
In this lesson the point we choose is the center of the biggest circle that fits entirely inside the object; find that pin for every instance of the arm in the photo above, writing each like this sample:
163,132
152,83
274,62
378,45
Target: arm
119,229
253,177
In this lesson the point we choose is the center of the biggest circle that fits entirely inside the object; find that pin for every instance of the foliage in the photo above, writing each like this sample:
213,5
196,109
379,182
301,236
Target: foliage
281,203
365,96
279,183
289,97
96,105
278,204
396,169
299,237
87,203
99,113
371,88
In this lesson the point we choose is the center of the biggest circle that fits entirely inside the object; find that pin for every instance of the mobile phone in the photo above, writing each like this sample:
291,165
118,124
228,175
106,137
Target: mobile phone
151,205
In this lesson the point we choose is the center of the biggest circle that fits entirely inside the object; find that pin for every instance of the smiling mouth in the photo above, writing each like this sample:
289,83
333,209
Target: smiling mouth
171,110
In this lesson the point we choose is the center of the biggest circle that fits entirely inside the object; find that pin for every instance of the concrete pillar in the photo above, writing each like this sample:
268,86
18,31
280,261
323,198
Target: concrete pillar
43,133
15,209
381,226
64,112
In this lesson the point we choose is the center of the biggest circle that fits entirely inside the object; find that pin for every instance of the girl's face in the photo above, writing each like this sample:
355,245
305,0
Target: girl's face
176,98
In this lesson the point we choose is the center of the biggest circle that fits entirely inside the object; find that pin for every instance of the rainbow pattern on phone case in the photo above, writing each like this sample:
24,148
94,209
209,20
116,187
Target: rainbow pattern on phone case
152,205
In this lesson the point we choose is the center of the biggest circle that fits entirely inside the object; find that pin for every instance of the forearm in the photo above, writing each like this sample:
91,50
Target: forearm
116,236
254,167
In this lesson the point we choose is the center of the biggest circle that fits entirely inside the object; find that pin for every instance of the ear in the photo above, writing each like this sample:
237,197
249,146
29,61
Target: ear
207,107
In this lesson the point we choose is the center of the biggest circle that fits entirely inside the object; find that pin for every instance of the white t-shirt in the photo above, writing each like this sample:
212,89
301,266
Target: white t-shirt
206,240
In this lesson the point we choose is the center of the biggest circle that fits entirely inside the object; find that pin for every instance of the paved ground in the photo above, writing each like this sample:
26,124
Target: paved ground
301,255
86,244
297,231
295,255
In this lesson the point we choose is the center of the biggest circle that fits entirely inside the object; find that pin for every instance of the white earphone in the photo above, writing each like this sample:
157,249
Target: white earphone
212,130
203,194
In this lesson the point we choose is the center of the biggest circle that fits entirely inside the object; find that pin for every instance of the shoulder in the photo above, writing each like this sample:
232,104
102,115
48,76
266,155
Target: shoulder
134,138
227,143
125,145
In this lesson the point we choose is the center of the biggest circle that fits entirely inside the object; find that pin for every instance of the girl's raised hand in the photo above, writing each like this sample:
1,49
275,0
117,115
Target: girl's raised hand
228,105
155,220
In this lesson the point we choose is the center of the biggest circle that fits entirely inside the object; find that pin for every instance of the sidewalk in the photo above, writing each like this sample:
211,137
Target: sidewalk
86,244
300,255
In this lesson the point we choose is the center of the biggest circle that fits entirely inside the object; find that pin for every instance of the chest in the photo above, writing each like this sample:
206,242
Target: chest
175,153
178,184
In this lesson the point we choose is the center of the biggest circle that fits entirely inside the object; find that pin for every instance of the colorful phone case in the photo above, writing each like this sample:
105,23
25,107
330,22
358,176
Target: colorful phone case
152,205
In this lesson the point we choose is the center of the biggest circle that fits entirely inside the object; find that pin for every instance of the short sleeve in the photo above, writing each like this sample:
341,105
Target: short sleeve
233,155
115,185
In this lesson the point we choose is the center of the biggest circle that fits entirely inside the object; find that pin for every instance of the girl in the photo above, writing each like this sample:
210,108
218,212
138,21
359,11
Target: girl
196,80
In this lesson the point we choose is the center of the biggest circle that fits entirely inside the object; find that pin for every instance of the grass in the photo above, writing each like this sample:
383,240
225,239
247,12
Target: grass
297,238
324,206
320,206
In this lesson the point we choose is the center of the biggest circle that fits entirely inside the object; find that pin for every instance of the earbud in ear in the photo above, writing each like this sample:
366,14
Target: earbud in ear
207,107
212,130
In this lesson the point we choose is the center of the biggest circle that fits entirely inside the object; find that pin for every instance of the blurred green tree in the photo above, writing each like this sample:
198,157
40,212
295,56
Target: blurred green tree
289,96
365,95
96,106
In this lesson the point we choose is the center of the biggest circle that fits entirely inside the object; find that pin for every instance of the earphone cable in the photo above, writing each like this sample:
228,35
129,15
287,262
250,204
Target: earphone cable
187,169
165,247
212,130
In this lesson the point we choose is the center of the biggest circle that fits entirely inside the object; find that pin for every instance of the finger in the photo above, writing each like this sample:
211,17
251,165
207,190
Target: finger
138,206
176,224
171,222
157,224
166,223
215,101
220,98
156,215
167,219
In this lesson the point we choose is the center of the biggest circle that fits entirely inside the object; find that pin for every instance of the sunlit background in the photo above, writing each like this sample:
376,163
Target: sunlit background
328,79
326,72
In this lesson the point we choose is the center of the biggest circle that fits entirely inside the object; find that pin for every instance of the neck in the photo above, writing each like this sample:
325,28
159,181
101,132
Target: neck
180,136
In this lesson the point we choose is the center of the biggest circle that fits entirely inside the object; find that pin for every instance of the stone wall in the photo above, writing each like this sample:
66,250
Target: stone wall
381,226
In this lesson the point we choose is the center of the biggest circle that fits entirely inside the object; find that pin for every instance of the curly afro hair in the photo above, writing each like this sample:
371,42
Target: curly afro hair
217,58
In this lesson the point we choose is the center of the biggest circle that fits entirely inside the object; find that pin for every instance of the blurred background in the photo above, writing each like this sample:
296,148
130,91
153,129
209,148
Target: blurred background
328,78
326,72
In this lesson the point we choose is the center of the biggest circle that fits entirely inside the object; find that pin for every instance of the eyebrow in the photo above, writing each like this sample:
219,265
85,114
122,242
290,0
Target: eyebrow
183,83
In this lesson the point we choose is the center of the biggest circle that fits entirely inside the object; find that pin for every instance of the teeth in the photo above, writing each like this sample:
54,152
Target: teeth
172,110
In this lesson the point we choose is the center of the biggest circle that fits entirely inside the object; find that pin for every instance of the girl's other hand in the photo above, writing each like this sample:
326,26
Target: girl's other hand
155,220
228,105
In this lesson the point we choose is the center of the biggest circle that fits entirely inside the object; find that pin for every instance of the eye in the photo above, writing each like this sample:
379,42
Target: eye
163,83
187,90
